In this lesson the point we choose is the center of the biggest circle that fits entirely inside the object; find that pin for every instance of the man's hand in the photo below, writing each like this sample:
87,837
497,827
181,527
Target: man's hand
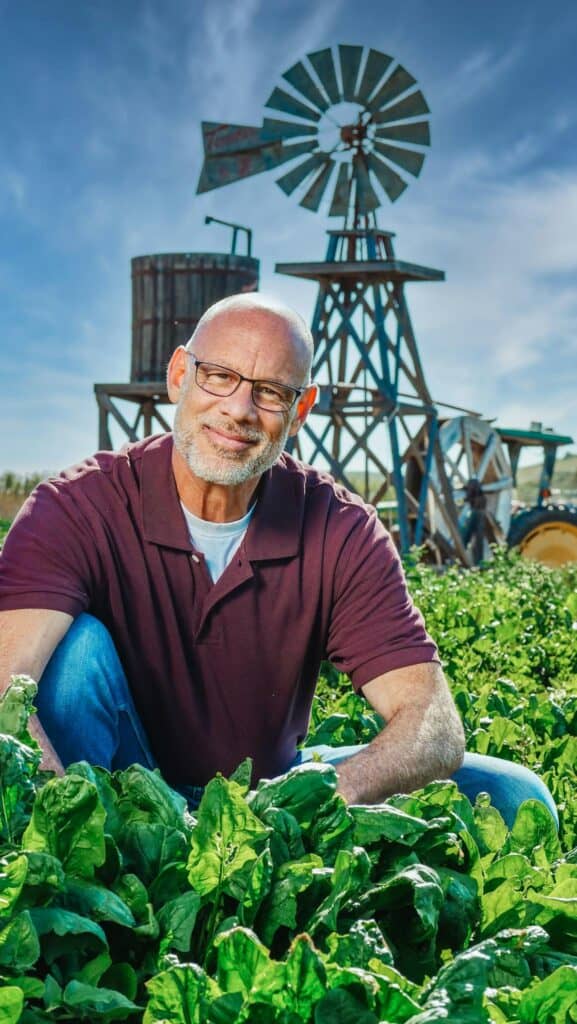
28,637
423,738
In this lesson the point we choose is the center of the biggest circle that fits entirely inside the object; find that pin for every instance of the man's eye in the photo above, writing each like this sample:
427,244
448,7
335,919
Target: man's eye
218,376
269,391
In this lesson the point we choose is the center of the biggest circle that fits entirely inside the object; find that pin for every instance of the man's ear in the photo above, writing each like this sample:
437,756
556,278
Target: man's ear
304,406
176,372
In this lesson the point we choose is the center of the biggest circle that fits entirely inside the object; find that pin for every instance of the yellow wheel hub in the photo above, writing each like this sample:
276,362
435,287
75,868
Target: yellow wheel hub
553,544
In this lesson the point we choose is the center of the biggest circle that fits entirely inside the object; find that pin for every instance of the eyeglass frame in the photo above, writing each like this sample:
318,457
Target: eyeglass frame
250,380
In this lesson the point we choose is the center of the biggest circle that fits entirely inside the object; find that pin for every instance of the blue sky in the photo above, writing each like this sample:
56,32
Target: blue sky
100,151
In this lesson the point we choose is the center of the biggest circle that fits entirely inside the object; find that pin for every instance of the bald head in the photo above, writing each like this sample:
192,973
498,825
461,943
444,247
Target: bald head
265,314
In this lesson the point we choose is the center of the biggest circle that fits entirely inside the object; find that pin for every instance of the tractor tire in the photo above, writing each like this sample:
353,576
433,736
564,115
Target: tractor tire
547,534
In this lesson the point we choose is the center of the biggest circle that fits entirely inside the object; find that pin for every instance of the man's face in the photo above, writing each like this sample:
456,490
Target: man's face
228,440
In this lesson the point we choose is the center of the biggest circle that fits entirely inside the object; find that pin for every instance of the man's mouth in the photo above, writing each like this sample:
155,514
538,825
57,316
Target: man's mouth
231,440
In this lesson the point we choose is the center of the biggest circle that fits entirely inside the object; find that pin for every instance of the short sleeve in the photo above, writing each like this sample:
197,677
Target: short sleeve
374,626
46,561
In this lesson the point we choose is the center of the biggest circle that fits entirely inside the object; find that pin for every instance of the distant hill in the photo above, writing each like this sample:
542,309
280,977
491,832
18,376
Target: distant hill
564,479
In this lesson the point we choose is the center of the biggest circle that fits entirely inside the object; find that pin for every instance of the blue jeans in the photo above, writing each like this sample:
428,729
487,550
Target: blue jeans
85,706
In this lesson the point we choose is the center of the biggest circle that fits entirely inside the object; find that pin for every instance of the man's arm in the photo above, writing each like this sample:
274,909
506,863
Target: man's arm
423,739
28,638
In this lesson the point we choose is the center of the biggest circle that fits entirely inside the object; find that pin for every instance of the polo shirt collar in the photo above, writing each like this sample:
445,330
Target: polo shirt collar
274,530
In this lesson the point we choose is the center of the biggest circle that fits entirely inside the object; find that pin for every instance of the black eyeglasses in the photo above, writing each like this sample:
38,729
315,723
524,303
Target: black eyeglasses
266,394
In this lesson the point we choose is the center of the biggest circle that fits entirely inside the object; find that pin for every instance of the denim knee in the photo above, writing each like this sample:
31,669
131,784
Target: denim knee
69,673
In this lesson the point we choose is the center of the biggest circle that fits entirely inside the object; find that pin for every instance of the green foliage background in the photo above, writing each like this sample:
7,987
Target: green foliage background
507,638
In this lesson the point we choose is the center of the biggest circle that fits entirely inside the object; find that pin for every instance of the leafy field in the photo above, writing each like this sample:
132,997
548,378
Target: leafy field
283,904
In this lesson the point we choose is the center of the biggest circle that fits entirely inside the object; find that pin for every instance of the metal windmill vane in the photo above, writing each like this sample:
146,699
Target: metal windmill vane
354,132
351,131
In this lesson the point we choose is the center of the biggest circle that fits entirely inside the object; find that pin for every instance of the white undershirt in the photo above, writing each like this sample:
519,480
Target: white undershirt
217,541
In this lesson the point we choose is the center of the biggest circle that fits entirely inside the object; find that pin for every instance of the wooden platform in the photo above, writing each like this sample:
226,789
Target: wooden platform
147,396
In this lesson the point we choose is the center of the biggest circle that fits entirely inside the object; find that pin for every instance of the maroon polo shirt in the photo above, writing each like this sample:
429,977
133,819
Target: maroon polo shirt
219,671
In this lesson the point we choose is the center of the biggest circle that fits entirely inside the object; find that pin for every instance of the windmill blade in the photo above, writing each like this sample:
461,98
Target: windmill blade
377,64
405,158
397,83
220,170
366,198
312,199
273,128
324,65
350,61
390,181
294,178
411,106
281,100
219,139
300,79
342,193
418,133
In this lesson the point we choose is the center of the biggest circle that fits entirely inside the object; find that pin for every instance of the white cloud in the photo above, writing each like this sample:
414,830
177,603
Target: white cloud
479,72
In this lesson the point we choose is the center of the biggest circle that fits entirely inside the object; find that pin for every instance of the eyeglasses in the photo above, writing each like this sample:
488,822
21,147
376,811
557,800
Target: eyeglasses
266,394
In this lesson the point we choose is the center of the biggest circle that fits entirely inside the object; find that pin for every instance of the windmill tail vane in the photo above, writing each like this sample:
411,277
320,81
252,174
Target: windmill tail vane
354,127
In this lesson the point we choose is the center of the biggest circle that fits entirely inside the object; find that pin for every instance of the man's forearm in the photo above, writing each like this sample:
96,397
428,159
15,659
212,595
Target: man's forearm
417,746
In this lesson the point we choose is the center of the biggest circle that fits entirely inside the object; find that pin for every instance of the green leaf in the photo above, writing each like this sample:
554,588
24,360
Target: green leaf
551,1001
44,879
11,1004
94,1003
33,988
279,910
92,972
18,766
286,838
122,978
19,946
534,826
341,1007
242,775
407,906
244,965
491,831
303,792
364,942
16,707
62,932
95,901
147,849
13,871
332,830
68,822
461,911
350,877
134,895
177,918
226,841
386,822
180,995
144,796
305,977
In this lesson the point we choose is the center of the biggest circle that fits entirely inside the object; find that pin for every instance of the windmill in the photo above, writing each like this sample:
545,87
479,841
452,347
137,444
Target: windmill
349,127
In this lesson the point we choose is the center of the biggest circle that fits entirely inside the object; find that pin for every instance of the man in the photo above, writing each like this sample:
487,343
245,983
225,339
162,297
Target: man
175,599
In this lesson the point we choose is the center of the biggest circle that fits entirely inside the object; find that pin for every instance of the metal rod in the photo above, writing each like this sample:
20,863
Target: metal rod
235,230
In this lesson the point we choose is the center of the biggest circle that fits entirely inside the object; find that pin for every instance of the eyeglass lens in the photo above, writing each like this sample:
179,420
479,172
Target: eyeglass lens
218,380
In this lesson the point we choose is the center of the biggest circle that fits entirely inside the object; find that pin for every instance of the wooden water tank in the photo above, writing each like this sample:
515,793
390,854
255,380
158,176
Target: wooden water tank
170,292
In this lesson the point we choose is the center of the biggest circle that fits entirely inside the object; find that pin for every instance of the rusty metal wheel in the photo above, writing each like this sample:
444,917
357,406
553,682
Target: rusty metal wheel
480,477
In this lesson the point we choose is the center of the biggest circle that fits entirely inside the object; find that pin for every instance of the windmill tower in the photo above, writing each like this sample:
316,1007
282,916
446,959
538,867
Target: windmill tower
354,131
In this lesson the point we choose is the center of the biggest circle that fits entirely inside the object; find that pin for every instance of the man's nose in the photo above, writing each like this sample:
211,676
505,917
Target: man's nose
240,405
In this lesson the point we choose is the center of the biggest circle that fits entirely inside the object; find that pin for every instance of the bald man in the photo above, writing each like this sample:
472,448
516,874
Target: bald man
175,599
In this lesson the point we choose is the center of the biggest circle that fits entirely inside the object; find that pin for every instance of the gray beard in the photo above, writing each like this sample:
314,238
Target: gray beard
226,467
